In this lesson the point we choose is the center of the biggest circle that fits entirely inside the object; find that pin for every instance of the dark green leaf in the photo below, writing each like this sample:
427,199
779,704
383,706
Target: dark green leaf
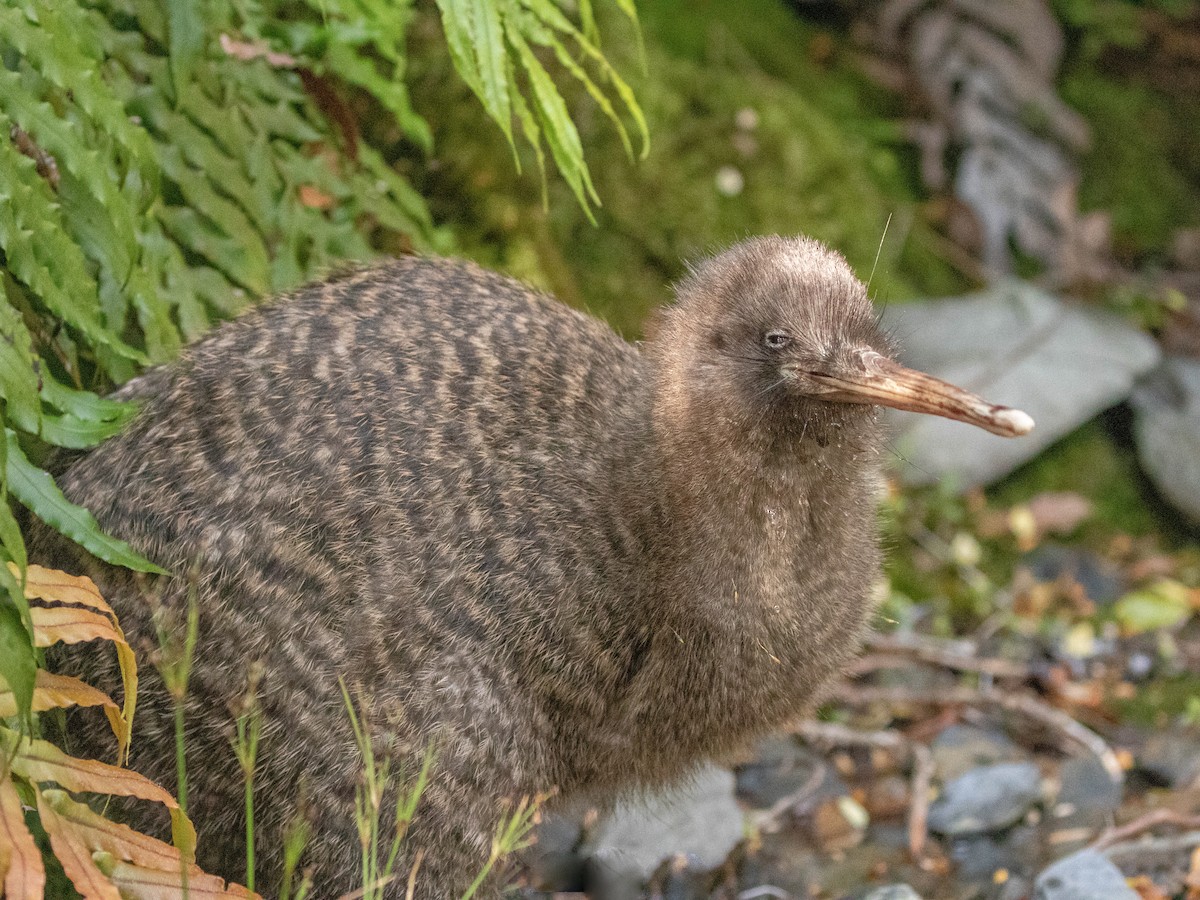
185,40
84,404
18,663
37,491
18,375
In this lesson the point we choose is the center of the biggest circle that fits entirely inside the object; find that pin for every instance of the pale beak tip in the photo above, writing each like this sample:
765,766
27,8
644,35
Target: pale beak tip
1014,421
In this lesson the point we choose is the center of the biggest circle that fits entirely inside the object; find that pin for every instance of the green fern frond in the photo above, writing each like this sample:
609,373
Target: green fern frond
39,253
490,42
162,165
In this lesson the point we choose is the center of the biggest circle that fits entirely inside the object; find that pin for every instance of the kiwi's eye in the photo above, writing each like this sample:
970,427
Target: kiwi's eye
776,339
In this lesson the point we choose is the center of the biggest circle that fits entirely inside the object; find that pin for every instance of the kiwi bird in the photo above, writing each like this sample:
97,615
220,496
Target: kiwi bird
565,562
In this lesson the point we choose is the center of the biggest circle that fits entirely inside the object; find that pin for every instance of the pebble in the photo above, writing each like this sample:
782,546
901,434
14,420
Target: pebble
1172,757
782,768
1086,786
960,748
1167,432
698,821
1062,363
892,892
1086,875
986,799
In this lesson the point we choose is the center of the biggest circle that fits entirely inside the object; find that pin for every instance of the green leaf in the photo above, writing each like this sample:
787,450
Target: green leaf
350,65
49,46
110,216
75,433
185,40
561,134
475,34
18,372
587,19
18,663
550,15
84,404
455,24
39,253
1164,604
487,39
12,540
18,659
40,495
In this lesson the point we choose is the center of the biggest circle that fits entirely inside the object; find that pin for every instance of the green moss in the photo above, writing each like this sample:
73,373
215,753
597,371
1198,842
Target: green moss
1160,702
1144,166
821,158
1088,461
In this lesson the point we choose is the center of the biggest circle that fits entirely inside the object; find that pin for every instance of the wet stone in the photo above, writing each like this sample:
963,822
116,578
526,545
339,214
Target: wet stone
985,799
1087,786
1087,875
977,857
892,892
1167,430
1060,362
960,748
698,822
785,861
1172,758
782,768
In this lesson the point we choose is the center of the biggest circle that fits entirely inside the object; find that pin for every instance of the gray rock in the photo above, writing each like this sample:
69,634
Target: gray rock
892,892
699,820
1101,579
553,861
977,857
1167,431
1016,888
782,768
1172,757
1016,345
1086,786
1086,875
985,799
960,748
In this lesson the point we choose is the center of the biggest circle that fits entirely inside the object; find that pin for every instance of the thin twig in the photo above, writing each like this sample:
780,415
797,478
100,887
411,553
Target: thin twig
412,873
958,655
1142,824
1163,852
842,736
764,890
918,808
1024,704
1042,712
771,819
922,768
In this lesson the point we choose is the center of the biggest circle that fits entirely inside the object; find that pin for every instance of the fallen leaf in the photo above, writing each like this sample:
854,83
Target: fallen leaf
248,50
1059,512
1164,604
1147,889
22,875
315,198
72,625
52,691
75,857
138,883
59,587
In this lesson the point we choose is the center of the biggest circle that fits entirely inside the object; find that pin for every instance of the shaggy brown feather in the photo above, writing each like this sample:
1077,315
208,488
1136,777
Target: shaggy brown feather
566,561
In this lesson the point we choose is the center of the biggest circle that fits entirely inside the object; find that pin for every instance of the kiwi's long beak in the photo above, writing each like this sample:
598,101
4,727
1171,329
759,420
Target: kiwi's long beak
873,378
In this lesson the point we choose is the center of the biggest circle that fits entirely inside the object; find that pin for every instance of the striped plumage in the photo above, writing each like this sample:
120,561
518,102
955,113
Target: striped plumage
566,561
